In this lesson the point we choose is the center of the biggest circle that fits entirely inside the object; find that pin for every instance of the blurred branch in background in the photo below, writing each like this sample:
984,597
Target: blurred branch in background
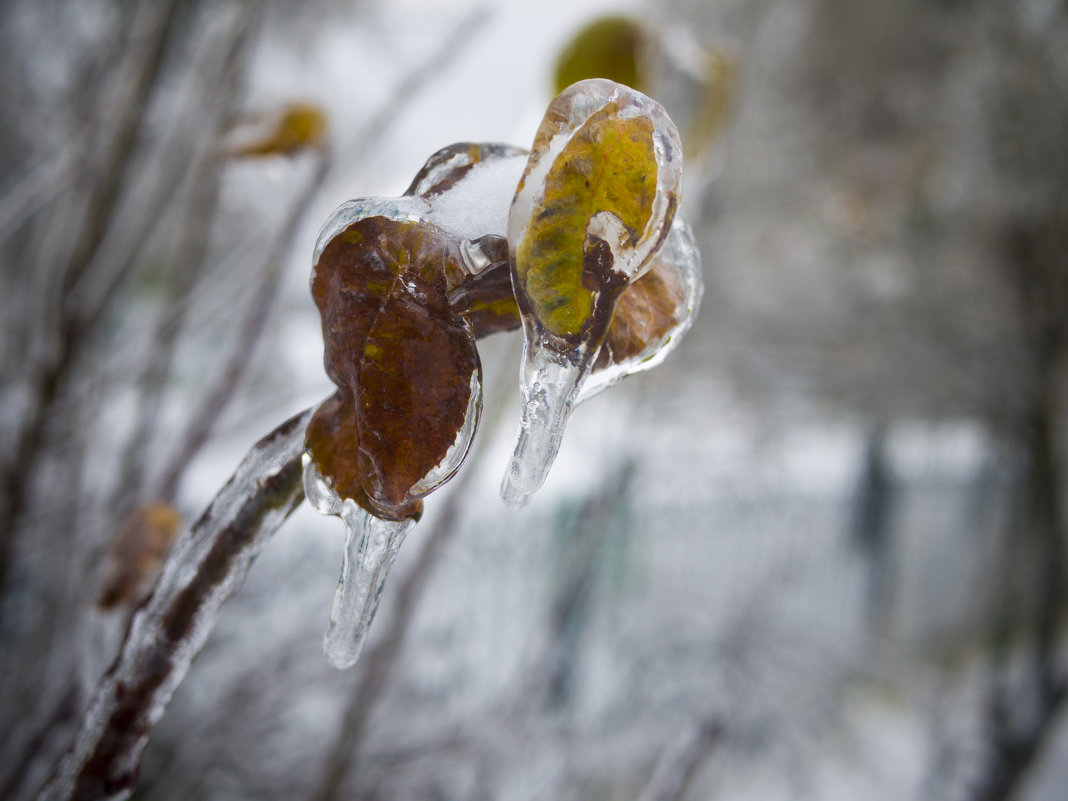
107,153
680,759
198,216
1028,115
66,293
118,196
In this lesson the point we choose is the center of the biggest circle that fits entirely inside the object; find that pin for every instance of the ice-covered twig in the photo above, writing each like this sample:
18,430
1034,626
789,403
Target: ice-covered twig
205,568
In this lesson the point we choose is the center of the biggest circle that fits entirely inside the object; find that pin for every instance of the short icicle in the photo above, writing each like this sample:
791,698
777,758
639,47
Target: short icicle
549,385
371,545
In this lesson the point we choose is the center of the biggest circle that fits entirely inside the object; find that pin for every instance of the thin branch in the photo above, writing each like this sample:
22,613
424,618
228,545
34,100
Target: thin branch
205,568
152,33
29,194
150,38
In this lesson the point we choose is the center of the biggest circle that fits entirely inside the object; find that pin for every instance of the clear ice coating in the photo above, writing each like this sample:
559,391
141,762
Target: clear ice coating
568,115
467,199
455,456
464,192
371,545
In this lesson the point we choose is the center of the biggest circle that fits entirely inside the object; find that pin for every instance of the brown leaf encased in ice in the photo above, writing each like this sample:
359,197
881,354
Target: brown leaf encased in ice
644,317
403,361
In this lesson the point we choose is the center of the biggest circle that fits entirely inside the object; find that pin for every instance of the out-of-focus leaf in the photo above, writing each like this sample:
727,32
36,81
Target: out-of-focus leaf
300,126
711,106
609,47
137,552
402,358
607,167
695,83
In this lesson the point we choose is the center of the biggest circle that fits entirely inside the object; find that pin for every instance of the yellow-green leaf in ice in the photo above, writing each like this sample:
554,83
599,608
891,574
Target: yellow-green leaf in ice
595,203
592,209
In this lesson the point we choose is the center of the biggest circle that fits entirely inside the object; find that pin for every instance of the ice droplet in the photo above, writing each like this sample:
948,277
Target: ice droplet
371,545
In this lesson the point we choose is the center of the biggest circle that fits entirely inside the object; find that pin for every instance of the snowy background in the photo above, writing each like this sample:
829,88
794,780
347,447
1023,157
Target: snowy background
804,558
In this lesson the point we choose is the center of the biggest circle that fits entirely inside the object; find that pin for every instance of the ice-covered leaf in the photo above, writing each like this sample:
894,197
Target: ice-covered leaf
595,204
417,400
643,316
652,314
467,189
486,299
596,200
450,165
332,441
405,363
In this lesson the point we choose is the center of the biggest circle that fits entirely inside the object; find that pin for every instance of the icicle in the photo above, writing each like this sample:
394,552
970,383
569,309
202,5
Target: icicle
371,545
549,384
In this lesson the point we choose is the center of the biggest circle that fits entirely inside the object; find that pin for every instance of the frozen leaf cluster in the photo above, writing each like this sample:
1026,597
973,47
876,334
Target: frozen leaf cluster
576,241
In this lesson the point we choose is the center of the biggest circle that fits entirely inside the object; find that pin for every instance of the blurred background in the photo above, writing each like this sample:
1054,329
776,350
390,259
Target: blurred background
817,554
